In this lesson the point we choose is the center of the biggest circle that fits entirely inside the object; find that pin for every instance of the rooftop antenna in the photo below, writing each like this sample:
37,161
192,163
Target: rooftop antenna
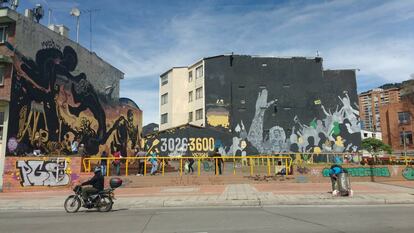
90,11
14,4
76,13
50,14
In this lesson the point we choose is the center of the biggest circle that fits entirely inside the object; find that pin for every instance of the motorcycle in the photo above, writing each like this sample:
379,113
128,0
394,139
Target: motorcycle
103,201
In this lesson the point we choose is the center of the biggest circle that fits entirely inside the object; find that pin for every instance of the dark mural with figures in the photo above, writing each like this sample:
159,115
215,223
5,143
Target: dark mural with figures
265,105
53,105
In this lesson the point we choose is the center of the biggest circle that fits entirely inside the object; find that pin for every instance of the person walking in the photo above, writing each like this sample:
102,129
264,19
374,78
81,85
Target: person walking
154,163
190,165
141,161
74,146
104,157
117,162
218,161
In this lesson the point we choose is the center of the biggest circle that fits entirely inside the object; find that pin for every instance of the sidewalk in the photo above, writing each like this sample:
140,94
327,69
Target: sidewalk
265,194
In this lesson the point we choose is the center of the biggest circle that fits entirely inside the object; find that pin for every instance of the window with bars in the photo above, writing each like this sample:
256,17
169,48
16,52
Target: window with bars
164,79
199,93
164,118
190,116
190,96
164,99
199,114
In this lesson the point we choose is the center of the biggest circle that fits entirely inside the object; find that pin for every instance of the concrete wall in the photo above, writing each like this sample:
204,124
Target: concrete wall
31,37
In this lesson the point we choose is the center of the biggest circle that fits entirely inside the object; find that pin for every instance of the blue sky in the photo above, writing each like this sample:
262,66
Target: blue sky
145,38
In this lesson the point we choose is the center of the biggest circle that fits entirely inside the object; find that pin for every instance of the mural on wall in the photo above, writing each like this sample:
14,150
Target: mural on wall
327,134
363,171
321,135
44,173
55,105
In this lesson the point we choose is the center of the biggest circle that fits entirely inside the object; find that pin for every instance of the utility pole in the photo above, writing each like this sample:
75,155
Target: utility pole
404,144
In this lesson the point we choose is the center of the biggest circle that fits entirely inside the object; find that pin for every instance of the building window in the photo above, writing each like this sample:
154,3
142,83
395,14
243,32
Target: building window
3,34
164,99
2,71
1,125
164,79
190,96
404,117
199,93
199,114
199,72
190,116
408,135
164,118
190,76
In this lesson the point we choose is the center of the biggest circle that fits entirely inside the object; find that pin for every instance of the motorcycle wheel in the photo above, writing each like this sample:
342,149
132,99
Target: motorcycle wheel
105,204
72,204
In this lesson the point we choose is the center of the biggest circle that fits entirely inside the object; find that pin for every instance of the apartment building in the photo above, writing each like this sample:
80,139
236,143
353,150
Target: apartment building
182,96
370,103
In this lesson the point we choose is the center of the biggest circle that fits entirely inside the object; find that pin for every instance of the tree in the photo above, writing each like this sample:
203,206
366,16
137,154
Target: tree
407,90
375,146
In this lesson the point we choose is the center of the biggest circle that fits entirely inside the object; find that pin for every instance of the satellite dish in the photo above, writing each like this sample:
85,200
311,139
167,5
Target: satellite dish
75,12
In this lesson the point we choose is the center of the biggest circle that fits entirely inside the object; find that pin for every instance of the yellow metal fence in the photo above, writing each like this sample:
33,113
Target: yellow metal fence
253,163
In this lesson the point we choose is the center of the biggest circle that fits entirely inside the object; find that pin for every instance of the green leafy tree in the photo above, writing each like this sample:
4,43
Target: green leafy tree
375,147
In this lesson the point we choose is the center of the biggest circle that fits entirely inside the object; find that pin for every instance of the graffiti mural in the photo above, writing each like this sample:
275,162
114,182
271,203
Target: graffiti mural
363,171
56,104
43,173
257,105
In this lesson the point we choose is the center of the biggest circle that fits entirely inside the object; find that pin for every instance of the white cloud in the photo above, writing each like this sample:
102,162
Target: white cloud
375,37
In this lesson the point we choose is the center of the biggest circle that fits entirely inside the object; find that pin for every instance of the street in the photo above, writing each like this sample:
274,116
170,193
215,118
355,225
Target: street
396,218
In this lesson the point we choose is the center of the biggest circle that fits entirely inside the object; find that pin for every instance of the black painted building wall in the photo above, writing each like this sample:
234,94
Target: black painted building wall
264,105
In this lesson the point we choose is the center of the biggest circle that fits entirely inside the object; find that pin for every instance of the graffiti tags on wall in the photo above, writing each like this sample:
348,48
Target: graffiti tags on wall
363,171
43,173
408,173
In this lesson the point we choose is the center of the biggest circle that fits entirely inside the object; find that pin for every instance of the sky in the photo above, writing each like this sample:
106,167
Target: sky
147,37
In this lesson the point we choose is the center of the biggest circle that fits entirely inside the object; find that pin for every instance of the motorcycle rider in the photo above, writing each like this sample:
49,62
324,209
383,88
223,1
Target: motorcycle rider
97,182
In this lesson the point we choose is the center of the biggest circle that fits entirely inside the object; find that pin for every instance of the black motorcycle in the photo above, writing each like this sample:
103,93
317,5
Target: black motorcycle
103,200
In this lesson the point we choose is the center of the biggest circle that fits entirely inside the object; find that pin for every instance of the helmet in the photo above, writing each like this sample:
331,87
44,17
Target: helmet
97,169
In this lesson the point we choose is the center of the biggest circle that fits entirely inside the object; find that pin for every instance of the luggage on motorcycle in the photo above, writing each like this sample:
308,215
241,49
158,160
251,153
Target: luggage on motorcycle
115,182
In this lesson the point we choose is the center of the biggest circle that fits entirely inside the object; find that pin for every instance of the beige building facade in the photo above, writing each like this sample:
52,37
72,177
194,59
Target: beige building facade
181,96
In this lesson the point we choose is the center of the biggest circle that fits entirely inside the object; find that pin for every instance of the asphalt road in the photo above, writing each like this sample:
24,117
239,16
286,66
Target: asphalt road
273,219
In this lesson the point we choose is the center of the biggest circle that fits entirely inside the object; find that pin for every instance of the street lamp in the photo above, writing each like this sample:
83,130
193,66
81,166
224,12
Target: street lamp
76,12
404,144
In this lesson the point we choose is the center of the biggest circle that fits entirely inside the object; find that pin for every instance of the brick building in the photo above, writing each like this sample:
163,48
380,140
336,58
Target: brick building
397,124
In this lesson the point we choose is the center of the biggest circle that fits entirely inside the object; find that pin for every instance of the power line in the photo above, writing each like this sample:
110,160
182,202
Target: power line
90,11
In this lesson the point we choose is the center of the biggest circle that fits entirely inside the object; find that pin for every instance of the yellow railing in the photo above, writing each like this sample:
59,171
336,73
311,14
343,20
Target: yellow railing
208,163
